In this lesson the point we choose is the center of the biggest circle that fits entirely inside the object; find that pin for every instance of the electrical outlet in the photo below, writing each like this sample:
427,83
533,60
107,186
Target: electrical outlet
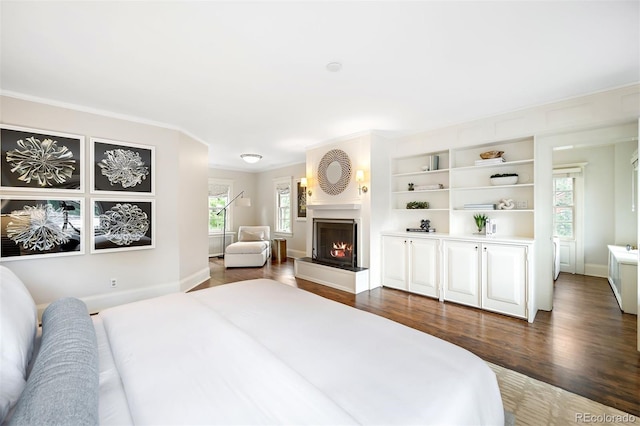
521,205
114,282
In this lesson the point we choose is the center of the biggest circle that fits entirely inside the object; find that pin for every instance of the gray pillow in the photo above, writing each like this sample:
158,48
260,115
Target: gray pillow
62,388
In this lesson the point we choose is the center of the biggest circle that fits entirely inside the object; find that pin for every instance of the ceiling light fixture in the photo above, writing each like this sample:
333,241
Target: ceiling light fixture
251,158
334,66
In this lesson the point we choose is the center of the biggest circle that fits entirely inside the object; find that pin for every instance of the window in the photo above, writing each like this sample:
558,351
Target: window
283,205
563,207
219,193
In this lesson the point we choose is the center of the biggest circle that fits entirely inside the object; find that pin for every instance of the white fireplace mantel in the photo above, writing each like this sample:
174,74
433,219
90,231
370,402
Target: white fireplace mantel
334,206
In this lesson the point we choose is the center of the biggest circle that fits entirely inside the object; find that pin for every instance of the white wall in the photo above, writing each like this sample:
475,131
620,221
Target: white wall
193,222
626,220
242,181
178,261
265,196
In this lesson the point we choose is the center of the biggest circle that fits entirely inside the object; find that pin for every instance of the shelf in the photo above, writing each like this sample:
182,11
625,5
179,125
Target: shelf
421,191
473,188
422,210
467,183
496,210
426,172
485,166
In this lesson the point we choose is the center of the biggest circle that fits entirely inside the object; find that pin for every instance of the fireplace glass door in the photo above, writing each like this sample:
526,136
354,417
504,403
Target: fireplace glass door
334,242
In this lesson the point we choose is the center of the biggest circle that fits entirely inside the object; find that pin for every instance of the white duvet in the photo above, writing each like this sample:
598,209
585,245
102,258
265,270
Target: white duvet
261,352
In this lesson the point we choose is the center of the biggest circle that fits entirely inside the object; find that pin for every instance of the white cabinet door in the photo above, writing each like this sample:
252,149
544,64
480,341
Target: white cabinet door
394,262
461,272
423,267
504,279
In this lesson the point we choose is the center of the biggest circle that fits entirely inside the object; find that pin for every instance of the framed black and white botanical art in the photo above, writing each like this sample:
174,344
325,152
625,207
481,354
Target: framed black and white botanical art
120,225
40,227
122,167
40,160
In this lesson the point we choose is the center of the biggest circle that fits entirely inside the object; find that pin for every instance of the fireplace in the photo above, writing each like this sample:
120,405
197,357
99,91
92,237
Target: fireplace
335,242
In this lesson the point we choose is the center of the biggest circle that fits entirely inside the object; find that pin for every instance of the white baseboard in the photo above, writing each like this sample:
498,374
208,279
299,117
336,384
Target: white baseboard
595,270
195,279
100,302
296,253
103,301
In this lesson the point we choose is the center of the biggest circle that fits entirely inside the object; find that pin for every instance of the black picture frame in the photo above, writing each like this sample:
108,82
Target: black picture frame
122,168
301,202
40,160
122,225
34,227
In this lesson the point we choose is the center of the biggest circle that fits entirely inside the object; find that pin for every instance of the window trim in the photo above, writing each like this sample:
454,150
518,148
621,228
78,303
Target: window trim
229,183
577,171
572,207
288,181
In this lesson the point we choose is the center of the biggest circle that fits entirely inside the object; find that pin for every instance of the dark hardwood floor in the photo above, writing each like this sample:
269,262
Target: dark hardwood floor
586,345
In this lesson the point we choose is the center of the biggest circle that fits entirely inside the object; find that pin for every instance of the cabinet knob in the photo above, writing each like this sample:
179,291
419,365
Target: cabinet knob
476,247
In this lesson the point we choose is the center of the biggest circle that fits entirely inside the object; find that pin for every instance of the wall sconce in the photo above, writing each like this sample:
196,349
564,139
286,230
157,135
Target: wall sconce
360,179
303,184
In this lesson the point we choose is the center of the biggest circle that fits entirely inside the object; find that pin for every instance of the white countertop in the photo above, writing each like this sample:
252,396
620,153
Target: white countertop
462,237
624,256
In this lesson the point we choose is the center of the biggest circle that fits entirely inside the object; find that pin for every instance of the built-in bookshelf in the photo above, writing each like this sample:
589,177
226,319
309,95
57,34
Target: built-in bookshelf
461,180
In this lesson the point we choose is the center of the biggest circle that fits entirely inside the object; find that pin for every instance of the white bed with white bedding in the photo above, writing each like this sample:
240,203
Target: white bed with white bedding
262,352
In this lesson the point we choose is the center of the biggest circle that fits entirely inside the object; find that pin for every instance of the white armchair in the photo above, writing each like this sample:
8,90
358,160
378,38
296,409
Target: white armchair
253,247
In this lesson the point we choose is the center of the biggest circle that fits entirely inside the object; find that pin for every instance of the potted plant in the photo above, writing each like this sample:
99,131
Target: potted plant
481,221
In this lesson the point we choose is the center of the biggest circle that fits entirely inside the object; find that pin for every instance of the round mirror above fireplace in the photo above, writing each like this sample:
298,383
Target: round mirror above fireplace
334,172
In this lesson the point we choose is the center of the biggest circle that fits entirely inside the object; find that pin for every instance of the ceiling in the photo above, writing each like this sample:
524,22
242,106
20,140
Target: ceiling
251,77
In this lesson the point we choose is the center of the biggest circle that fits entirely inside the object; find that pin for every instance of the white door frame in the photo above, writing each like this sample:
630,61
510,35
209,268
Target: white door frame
572,250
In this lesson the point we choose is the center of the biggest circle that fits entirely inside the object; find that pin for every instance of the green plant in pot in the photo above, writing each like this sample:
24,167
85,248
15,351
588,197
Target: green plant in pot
481,221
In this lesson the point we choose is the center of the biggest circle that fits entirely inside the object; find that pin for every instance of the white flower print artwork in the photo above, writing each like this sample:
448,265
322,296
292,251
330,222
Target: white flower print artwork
38,160
122,167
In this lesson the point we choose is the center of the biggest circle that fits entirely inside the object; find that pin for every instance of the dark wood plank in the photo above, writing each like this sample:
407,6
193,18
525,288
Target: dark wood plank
586,345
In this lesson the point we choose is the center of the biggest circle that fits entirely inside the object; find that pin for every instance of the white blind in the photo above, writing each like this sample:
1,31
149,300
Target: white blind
568,170
218,190
283,188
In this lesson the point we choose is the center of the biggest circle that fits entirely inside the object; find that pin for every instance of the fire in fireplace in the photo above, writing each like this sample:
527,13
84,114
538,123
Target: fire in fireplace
341,250
335,242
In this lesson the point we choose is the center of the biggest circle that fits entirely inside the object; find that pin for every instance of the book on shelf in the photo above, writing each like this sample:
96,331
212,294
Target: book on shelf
490,161
479,207
428,187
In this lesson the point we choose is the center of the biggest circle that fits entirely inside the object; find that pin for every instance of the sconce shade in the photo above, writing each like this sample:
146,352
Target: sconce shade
303,182
251,158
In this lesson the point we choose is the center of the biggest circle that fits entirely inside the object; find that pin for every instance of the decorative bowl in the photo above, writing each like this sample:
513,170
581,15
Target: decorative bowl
504,180
491,154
